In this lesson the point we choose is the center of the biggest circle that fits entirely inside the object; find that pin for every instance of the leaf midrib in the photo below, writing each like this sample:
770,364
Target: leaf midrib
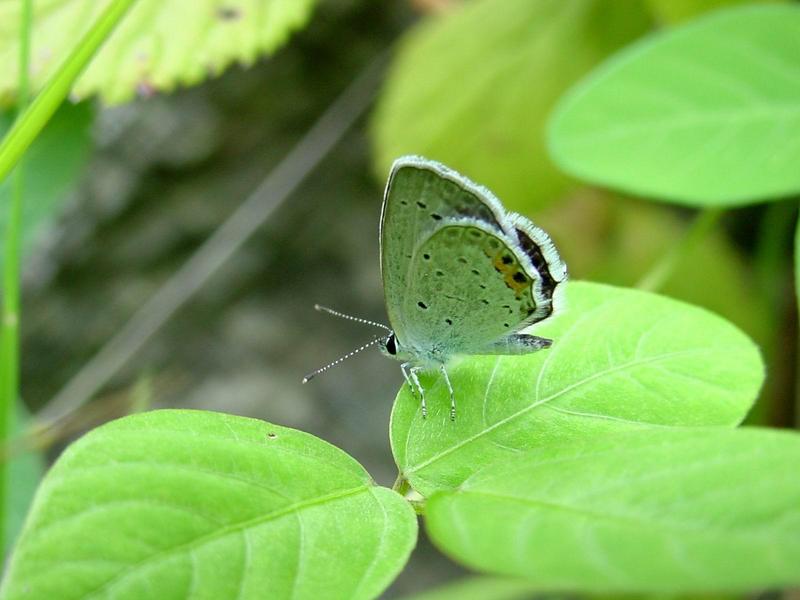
550,398
223,532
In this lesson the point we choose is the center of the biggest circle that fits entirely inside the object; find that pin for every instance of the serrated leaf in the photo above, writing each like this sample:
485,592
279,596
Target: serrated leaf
707,114
659,510
52,165
473,89
158,45
178,504
620,359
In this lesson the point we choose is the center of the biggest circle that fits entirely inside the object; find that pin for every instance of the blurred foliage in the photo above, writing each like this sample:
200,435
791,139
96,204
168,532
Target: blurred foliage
26,468
671,12
52,166
473,88
607,237
158,46
704,115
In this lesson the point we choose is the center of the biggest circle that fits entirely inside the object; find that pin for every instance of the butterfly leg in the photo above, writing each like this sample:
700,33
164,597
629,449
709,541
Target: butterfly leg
452,395
410,374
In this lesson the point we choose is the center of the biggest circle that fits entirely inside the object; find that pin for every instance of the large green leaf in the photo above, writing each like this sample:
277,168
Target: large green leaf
52,166
473,89
705,114
158,46
185,504
661,510
621,359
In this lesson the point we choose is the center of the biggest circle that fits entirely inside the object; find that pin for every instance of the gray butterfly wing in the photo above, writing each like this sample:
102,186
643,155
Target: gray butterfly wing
428,206
469,287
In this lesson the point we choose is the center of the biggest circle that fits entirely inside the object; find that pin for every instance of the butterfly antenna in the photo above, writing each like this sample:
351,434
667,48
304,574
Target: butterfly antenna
336,313
313,374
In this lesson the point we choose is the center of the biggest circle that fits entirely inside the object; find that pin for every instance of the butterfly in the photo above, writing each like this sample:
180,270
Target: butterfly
461,275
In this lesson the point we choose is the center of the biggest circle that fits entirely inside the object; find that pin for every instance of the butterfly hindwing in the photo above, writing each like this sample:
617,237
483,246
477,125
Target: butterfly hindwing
467,288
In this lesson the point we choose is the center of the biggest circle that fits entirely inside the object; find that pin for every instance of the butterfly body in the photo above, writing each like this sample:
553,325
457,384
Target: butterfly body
461,275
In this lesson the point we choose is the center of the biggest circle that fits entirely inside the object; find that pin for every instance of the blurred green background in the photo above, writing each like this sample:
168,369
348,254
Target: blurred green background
123,195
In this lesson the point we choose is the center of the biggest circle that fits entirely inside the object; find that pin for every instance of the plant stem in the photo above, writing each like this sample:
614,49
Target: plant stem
401,485
9,324
797,299
31,122
699,228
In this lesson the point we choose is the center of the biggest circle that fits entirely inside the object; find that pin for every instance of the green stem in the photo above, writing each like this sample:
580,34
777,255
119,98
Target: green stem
658,275
401,485
9,323
797,298
28,126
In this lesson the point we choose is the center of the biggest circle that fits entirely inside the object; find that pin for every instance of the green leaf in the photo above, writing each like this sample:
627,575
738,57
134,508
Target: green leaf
479,588
158,46
25,470
661,510
676,11
59,152
473,89
707,114
620,359
176,504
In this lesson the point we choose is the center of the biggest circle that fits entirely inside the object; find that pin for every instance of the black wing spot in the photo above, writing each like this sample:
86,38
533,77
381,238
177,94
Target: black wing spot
476,233
403,202
485,301
462,260
229,13
426,256
421,204
507,260
519,277
448,321
436,217
476,272
483,287
505,324
494,243
272,435
439,273
422,305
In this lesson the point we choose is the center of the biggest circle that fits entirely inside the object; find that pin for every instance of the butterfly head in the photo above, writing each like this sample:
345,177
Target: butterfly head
391,347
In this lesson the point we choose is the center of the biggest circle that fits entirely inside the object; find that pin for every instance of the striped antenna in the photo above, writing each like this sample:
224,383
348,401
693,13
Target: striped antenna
313,374
336,313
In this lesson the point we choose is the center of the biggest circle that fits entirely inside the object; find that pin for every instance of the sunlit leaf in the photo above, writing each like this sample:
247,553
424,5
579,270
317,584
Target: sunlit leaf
705,114
621,359
158,45
659,510
178,504
473,88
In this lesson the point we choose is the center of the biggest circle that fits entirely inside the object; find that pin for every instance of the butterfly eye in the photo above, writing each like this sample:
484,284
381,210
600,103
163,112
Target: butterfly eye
391,345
